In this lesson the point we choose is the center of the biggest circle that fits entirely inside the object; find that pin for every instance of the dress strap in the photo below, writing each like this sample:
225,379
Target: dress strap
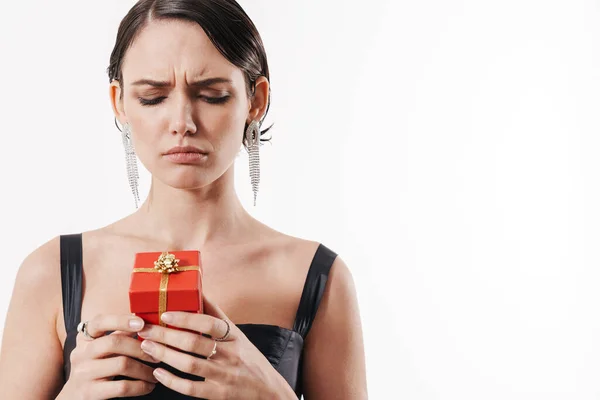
314,287
71,275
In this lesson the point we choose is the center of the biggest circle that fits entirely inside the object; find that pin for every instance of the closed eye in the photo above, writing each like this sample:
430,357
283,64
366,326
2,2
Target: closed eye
210,100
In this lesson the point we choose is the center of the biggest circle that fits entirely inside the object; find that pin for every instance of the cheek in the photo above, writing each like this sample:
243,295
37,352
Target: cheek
146,136
147,133
224,126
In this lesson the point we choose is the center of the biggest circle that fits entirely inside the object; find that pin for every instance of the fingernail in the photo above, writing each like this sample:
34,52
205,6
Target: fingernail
148,346
136,323
166,317
144,333
159,374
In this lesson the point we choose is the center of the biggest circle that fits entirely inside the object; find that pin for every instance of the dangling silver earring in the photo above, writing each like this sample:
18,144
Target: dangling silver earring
253,143
131,161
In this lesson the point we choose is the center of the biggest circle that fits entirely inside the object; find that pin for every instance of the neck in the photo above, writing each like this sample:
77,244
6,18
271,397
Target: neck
186,219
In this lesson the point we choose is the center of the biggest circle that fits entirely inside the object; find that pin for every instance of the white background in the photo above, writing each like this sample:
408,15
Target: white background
447,150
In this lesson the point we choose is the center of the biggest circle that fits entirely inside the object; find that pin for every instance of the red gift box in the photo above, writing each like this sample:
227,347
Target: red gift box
165,281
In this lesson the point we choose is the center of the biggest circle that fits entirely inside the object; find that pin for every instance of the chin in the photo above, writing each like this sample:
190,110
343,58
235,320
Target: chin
186,176
191,178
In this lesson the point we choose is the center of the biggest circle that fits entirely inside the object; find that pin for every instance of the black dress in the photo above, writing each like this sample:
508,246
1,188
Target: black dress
281,346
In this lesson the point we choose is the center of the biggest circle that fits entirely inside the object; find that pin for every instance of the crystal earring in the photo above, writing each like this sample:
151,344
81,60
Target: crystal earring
131,161
253,143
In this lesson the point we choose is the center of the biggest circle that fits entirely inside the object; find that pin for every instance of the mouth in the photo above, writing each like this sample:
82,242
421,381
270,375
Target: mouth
186,150
187,157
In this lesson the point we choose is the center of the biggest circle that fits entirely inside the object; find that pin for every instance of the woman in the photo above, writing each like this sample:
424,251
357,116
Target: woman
189,83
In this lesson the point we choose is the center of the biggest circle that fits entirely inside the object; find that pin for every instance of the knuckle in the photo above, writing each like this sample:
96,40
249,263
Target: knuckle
190,365
159,351
115,341
194,342
150,386
184,318
123,363
122,388
187,387
159,335
198,369
147,387
103,345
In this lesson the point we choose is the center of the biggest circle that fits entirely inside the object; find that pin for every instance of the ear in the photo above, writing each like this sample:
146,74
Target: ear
260,101
114,92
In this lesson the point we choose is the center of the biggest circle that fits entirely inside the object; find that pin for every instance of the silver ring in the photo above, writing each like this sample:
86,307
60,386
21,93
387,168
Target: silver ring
82,328
213,352
222,339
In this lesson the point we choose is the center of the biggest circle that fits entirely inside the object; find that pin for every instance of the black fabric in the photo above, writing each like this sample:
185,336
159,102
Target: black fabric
314,287
72,290
281,346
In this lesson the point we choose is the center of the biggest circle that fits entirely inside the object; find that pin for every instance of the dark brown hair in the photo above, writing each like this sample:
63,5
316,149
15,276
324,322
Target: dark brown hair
226,24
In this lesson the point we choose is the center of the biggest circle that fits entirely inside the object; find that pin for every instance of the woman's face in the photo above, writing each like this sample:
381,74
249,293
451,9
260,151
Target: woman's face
180,91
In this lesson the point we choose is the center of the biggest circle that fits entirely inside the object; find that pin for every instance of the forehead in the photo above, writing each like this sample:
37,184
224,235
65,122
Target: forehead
165,49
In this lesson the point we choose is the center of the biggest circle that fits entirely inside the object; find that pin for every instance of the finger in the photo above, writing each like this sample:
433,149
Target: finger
203,389
115,389
183,362
186,341
130,334
104,323
215,327
110,345
121,365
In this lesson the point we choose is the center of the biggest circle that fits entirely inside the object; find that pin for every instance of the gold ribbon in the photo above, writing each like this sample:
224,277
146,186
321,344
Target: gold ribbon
164,283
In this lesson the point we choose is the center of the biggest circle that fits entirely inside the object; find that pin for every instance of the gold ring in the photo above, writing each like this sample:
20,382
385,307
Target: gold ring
213,352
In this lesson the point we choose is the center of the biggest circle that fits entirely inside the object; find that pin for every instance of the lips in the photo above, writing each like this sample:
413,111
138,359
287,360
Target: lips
187,158
187,155
185,149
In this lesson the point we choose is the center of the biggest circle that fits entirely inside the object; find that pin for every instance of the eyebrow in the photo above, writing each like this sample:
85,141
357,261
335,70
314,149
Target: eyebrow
198,84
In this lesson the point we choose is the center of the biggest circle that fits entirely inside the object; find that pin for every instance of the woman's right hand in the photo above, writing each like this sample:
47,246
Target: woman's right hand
94,363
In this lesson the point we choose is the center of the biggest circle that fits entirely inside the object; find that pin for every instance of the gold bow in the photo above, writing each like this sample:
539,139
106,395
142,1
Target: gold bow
165,265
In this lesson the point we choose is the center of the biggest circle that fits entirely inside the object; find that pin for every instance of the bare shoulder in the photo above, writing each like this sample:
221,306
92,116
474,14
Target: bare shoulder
288,249
30,327
339,305
295,248
336,371
303,251
39,273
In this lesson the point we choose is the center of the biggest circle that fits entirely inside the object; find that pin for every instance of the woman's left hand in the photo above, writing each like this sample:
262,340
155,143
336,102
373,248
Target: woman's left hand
238,370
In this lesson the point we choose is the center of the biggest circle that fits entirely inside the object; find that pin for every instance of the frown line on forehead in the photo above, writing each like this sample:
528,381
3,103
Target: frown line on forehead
203,83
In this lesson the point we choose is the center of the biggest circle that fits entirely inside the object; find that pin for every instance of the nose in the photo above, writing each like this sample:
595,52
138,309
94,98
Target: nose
182,116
